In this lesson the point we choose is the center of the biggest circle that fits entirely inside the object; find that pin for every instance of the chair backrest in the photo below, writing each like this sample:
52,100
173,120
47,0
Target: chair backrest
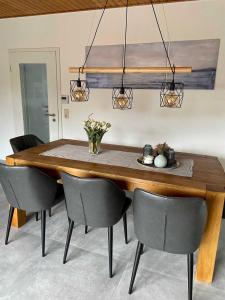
27,188
93,201
171,224
24,142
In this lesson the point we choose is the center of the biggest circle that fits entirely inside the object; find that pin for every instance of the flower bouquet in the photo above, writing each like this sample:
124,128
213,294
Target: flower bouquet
95,131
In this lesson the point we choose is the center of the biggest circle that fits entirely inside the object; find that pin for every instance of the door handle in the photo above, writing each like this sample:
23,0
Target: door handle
50,115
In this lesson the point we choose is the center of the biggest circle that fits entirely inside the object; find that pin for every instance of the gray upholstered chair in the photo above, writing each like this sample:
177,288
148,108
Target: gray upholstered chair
29,189
24,142
170,224
94,202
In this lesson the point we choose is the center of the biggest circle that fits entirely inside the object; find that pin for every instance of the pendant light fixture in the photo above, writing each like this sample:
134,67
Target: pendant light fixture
79,90
172,93
122,97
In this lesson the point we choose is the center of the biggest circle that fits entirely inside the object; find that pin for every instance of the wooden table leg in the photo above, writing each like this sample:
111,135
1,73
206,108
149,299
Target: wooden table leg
208,248
19,216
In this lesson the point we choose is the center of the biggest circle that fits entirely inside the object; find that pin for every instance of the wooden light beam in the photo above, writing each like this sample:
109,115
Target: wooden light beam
130,70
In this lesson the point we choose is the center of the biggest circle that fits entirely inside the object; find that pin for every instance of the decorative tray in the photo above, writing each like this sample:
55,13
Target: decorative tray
174,166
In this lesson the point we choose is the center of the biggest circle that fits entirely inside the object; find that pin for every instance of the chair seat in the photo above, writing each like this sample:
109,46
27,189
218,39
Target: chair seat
169,224
95,202
32,190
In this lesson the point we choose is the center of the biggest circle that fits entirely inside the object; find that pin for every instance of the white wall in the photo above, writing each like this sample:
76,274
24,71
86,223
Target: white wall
198,127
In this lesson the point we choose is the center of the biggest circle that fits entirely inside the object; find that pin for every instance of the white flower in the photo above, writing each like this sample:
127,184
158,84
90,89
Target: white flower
94,126
93,123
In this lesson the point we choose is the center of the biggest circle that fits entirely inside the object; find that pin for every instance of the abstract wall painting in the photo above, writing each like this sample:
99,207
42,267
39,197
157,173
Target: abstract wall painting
202,55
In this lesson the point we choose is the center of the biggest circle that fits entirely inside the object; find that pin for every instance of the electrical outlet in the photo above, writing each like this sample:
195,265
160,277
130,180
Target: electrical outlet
66,113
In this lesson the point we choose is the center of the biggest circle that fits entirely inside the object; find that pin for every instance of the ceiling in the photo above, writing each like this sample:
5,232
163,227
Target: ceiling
21,8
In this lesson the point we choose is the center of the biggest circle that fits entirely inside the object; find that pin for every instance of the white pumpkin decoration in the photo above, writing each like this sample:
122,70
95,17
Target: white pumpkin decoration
160,161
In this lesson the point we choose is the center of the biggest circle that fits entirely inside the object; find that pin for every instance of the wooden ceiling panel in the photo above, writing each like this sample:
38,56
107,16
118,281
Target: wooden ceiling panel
21,8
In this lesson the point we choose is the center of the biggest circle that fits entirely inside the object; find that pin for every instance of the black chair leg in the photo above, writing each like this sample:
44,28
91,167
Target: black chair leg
11,211
69,234
110,249
190,259
135,267
43,226
50,212
36,215
86,229
125,227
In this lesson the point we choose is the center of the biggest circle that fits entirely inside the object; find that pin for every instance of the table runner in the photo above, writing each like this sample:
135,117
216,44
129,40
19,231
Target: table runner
116,158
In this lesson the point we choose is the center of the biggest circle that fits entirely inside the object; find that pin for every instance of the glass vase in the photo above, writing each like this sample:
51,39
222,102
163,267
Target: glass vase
94,146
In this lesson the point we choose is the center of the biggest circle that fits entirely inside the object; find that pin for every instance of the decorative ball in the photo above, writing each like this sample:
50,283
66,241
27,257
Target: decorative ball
160,161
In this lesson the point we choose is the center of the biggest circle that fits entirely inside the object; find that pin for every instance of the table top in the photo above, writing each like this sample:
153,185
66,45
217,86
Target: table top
208,173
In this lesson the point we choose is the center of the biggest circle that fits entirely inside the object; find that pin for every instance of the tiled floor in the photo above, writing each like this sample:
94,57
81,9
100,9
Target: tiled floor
24,274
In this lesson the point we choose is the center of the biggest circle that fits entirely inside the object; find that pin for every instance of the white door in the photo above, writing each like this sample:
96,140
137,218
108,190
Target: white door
35,90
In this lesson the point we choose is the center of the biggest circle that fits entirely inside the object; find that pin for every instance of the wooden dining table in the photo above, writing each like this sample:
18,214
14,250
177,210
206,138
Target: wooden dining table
208,182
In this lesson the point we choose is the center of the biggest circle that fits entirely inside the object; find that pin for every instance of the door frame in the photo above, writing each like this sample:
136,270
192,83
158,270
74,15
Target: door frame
56,51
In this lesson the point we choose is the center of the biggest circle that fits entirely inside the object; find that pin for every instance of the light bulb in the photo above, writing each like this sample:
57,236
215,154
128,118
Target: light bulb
121,102
79,94
171,99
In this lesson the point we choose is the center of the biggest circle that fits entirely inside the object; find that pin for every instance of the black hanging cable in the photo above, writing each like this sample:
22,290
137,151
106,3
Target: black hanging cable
164,44
175,89
76,85
79,73
125,46
99,22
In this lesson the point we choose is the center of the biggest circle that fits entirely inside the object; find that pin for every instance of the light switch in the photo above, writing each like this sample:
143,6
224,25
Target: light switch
66,113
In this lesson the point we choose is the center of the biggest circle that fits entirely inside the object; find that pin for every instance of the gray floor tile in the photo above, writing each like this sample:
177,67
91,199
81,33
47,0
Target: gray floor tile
150,285
155,285
84,276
